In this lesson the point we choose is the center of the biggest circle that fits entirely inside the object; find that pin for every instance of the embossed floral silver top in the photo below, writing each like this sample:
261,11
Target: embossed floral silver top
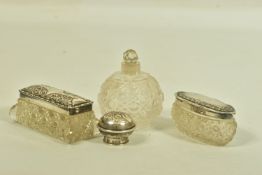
72,103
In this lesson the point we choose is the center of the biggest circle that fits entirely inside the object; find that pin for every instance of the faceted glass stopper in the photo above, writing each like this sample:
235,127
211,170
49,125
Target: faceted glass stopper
130,56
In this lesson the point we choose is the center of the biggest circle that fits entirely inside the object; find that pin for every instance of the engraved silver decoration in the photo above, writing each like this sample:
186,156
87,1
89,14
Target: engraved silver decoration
116,127
69,102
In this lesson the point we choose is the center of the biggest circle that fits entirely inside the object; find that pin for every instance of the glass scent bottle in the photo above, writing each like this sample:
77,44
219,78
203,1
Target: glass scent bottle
55,112
132,91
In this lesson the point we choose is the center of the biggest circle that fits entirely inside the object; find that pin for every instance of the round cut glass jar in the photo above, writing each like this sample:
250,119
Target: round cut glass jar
204,119
132,91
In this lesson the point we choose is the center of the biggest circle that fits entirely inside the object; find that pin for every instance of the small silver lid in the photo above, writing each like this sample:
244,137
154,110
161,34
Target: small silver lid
116,127
207,103
69,102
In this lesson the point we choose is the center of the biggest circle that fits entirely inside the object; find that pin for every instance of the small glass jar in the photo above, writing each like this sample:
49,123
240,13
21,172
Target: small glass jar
55,112
204,119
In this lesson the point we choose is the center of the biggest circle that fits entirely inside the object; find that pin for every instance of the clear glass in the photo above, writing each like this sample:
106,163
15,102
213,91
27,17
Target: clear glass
209,130
138,95
67,128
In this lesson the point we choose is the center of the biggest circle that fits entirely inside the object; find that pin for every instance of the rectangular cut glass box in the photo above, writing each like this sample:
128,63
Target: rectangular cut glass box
204,119
55,112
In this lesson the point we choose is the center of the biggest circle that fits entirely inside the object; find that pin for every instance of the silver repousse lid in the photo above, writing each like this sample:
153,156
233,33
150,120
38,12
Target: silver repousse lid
116,121
69,102
207,103
116,127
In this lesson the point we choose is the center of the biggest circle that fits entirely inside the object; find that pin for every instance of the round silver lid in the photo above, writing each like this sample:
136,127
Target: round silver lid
116,121
208,103
116,127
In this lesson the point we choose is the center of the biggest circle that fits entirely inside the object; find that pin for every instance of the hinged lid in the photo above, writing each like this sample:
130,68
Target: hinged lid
205,102
69,102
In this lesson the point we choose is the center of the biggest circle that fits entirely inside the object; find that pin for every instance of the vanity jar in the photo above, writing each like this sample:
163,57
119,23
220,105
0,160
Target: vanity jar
55,112
204,119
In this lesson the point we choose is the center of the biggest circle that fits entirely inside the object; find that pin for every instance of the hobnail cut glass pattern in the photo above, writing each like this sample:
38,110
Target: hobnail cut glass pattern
138,95
210,130
67,128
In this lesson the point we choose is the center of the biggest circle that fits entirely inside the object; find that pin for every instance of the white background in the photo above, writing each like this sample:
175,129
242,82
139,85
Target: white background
210,47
